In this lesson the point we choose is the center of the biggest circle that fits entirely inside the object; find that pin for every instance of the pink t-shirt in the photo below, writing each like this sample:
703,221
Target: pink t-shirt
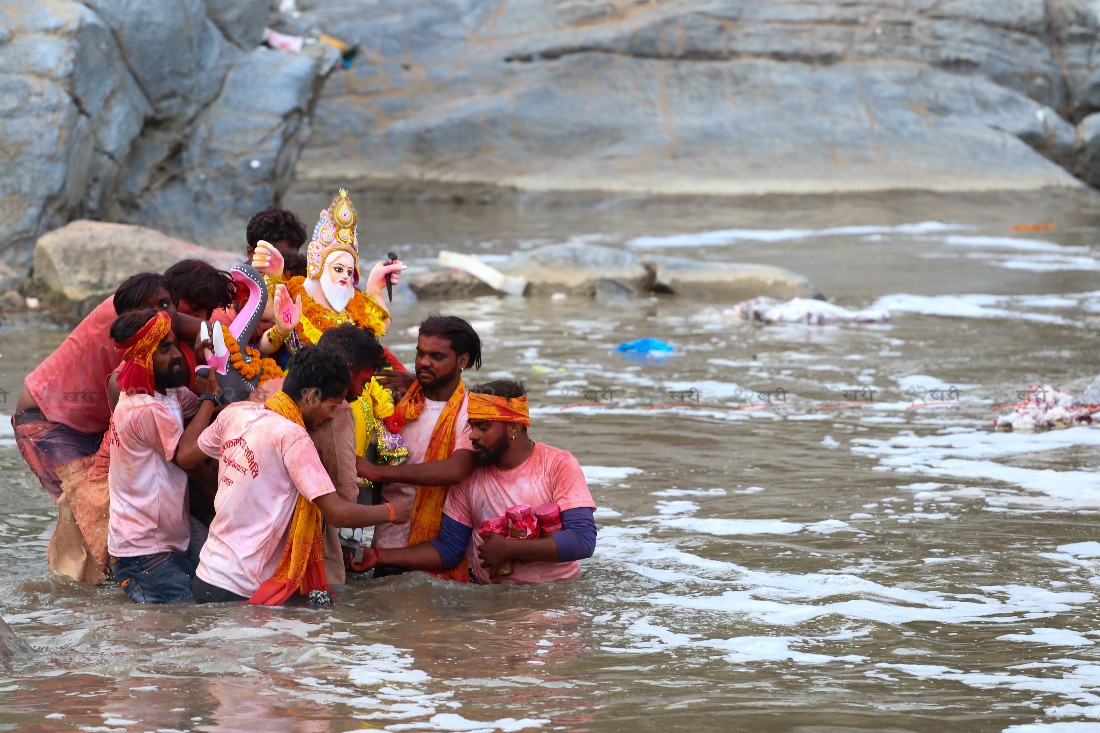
266,461
549,475
70,386
417,434
149,511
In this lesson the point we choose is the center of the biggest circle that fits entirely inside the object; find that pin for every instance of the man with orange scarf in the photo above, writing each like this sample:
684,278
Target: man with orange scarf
512,470
149,527
265,543
432,421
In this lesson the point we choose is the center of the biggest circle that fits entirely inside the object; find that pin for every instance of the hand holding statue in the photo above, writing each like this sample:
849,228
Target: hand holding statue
267,259
207,383
287,312
494,552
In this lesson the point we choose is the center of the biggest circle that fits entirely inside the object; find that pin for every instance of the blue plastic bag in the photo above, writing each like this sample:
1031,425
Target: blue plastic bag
646,351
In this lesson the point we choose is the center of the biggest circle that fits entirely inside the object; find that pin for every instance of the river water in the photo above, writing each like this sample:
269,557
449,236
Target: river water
887,565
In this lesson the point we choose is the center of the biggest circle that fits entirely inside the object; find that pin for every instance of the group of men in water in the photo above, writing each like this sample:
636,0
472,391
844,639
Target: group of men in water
178,495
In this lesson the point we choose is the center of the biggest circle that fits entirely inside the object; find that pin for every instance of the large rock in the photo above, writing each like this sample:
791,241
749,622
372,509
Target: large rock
728,281
164,114
601,272
580,269
80,264
715,97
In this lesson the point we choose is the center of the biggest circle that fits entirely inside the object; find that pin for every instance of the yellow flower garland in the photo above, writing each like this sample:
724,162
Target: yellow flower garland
361,310
266,368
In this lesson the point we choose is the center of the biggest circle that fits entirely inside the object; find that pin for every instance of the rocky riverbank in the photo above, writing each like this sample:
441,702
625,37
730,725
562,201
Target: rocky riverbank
722,97
164,114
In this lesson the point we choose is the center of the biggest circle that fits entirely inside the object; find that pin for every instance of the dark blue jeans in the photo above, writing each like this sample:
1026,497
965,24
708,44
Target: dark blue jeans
161,578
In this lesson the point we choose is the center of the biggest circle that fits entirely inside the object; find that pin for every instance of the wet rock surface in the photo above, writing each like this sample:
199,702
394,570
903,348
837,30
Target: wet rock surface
163,114
711,98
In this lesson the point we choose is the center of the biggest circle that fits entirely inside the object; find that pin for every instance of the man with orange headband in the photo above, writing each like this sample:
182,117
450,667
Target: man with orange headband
511,470
149,532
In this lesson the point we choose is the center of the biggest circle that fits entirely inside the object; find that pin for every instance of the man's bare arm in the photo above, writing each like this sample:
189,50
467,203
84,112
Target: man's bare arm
449,471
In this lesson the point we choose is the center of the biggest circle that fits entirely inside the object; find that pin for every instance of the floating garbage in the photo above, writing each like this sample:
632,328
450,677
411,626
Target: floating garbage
1043,407
646,351
803,310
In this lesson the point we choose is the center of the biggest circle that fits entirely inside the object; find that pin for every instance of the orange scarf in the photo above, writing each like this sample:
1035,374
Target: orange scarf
302,567
499,409
427,513
136,374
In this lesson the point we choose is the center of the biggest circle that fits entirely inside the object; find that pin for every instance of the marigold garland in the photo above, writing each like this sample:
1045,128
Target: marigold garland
266,368
362,310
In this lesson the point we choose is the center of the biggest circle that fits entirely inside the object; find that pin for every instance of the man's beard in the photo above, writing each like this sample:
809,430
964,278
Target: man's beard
487,455
337,296
173,377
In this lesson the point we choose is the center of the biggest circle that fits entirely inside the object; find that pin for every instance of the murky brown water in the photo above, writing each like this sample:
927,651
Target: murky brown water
884,566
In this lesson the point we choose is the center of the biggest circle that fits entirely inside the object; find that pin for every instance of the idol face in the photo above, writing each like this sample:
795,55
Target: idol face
338,280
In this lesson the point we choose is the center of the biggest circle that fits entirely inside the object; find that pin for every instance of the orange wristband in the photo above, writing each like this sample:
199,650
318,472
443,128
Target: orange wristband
393,516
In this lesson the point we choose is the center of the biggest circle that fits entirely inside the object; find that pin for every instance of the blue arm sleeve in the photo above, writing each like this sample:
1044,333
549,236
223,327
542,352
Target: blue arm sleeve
577,538
452,541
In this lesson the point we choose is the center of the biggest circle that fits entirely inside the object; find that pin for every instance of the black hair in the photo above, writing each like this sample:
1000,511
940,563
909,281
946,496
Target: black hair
463,337
204,286
294,264
275,225
359,346
129,323
320,367
507,388
138,290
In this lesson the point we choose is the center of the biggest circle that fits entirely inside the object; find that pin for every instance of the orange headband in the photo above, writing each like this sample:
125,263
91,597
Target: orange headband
498,409
136,374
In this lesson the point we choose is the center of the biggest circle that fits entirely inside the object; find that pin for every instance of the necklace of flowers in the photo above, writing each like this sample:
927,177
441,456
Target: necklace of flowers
266,368
364,312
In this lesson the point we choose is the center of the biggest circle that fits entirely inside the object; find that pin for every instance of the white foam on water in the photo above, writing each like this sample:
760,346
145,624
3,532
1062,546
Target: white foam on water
710,390
773,598
969,455
649,637
608,474
1074,727
1050,637
732,527
1011,243
961,306
731,236
1081,549
456,722
1077,681
1050,263
829,526
690,492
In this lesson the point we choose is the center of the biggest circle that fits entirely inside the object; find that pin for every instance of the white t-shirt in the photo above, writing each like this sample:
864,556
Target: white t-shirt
417,434
265,462
149,509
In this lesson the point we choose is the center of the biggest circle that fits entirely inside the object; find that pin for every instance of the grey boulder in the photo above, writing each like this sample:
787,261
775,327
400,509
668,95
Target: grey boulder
80,264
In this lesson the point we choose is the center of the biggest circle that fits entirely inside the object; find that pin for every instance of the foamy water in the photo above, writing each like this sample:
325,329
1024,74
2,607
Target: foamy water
863,552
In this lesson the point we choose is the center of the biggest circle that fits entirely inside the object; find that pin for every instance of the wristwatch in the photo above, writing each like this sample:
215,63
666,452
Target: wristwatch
216,399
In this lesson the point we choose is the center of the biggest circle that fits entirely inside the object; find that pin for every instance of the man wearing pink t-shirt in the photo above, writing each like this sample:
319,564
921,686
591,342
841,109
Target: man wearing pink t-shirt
512,469
149,530
62,412
266,461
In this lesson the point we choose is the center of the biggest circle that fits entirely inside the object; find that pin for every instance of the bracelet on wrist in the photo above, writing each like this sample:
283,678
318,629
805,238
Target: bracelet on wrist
393,515
276,337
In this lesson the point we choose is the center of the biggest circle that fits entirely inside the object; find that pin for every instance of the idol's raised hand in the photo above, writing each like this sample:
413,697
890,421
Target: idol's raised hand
376,280
287,312
267,259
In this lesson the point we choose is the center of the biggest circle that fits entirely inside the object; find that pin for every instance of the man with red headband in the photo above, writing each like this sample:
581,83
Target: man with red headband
511,470
149,531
